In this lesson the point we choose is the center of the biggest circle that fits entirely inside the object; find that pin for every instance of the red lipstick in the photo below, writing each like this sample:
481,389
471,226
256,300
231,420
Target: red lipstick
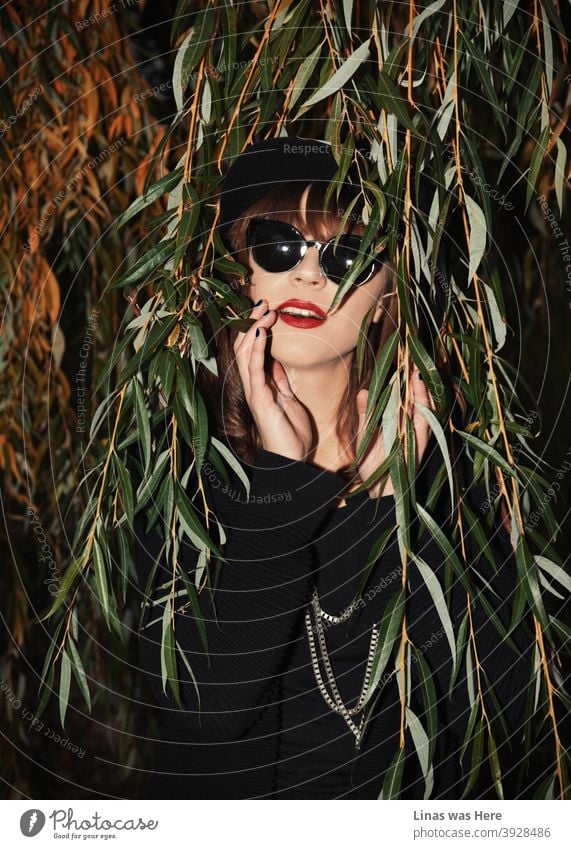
302,314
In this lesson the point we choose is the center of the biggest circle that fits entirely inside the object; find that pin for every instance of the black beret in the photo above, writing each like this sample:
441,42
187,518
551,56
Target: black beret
263,165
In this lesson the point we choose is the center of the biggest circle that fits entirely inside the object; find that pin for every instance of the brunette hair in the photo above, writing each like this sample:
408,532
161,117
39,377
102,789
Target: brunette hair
224,395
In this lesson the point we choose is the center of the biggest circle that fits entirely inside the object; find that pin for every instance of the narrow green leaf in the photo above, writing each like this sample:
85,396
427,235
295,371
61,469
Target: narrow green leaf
559,175
429,699
341,76
169,672
477,750
420,18
390,624
64,684
470,684
393,776
495,765
420,740
197,614
528,578
460,645
433,585
200,430
402,502
306,69
475,528
393,101
230,35
71,573
445,546
183,657
478,232
485,74
536,163
509,7
149,485
411,464
165,184
489,452
155,256
188,221
101,580
498,321
202,31
151,344
79,673
347,14
125,559
380,371
554,571
382,472
118,352
233,462
191,523
125,488
469,728
372,559
403,295
46,689
177,82
199,345
440,437
142,423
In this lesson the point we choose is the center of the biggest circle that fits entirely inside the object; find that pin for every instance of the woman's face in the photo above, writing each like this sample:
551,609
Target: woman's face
338,334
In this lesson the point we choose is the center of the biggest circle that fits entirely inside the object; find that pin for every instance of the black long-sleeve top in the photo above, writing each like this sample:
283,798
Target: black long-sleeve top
263,729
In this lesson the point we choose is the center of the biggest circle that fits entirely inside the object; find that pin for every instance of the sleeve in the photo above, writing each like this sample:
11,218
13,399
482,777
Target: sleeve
262,588
503,671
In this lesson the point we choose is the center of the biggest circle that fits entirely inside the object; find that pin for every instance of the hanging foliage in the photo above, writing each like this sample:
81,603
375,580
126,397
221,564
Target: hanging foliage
77,140
457,93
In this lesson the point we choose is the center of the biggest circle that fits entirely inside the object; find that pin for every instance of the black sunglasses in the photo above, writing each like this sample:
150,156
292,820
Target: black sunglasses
277,246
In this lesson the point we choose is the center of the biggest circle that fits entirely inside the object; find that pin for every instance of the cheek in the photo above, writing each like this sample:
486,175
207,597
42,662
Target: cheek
261,284
355,310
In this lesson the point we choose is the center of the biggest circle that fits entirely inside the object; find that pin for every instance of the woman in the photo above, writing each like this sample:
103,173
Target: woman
279,710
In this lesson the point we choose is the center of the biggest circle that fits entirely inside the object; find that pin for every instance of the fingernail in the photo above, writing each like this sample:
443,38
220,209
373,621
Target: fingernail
257,304
266,312
420,377
257,331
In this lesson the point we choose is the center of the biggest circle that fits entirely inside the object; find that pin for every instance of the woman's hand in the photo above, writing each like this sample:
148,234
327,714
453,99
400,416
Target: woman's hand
375,454
282,421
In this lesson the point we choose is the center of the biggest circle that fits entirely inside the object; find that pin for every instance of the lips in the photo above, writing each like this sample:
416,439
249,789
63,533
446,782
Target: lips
303,314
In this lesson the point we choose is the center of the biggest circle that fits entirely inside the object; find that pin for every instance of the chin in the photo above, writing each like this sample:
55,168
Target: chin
302,349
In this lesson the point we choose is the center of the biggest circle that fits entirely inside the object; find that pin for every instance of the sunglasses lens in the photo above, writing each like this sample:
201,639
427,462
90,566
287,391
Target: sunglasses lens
274,245
277,247
339,259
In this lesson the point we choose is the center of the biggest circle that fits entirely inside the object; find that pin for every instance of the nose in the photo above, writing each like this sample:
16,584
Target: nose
308,271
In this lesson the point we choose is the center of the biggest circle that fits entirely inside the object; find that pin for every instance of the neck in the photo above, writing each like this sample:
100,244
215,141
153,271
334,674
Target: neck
322,390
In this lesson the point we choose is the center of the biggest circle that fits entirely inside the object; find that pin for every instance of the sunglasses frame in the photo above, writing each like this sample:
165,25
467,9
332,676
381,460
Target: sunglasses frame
309,243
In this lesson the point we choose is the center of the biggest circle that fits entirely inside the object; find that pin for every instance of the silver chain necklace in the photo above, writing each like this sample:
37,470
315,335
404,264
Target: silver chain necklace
336,703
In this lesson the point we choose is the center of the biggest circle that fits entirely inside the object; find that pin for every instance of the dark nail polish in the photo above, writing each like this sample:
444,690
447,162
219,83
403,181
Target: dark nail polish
257,304
257,331
266,312
420,377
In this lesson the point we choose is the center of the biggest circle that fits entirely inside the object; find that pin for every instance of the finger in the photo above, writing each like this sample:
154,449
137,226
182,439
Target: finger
422,430
244,342
362,398
281,379
256,312
257,376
